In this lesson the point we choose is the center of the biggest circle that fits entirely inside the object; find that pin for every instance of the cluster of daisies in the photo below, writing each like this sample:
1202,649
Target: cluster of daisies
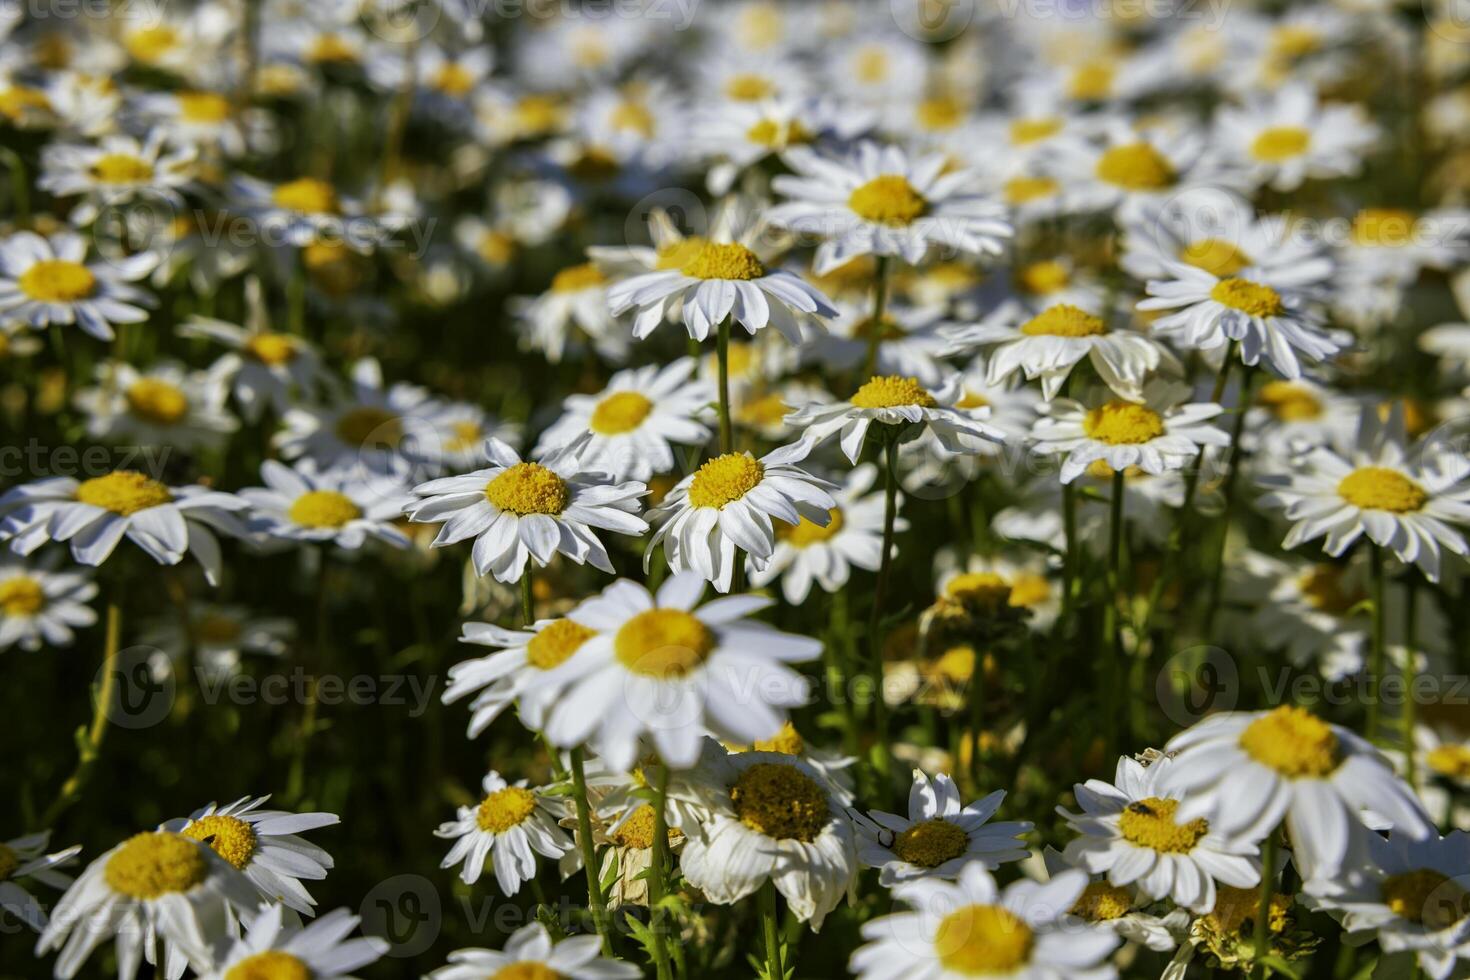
945,380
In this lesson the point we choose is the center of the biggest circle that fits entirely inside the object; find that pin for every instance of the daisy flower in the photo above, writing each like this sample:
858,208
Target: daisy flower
1270,321
1158,434
1378,489
627,428
46,281
320,951
26,858
710,280
1049,344
41,605
459,433
739,135
852,538
519,511
892,400
341,507
878,201
195,117
1121,910
94,515
166,405
377,426
577,299
529,952
1129,832
728,503
940,837
506,826
1128,168
215,637
301,211
263,367
832,766
1284,138
264,845
773,819
665,666
1290,417
155,886
910,342
508,675
1026,582
1245,772
971,927
116,171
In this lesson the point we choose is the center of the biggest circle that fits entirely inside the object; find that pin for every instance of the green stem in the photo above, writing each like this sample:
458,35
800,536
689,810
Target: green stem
528,602
977,720
1411,603
881,758
19,187
91,747
1376,655
1262,934
774,969
1110,609
875,331
657,883
1069,553
722,348
595,898
1217,570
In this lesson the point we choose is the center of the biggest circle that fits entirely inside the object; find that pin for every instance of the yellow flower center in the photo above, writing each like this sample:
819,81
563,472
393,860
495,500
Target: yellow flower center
1322,587
369,425
1248,297
1102,902
663,643
57,281
1383,227
272,964
1092,82
230,837
124,492
1418,417
1214,255
153,864
930,843
1294,742
8,862
1025,131
1280,143
633,117
888,200
18,101
1064,320
637,831
323,508
972,399
1122,423
496,247
1450,760
217,628
21,596
328,47
1150,823
1290,402
1135,167
149,44
550,647
203,107
537,114
622,411
576,278
121,168
1426,897
157,401
504,809
871,65
676,255
1023,190
271,348
804,533
725,479
1028,589
748,88
1293,41
983,939
957,664
891,391
940,114
781,802
454,79
1234,907
1380,488
528,488
763,412
787,741
769,132
527,970
986,590
716,260
306,195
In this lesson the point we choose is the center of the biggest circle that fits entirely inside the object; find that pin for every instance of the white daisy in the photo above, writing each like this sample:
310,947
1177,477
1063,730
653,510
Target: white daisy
1290,417
740,134
320,951
529,952
166,405
117,171
341,507
665,666
1403,504
301,211
576,299
1026,581
519,511
26,858
94,515
1246,772
197,117
378,426
215,638
507,676
1121,910
1158,434
1285,137
459,431
971,927
878,201
909,342
940,836
806,552
891,400
263,367
155,887
1269,320
773,819
728,503
48,281
506,826
1129,832
834,767
41,605
264,845
1130,168
626,429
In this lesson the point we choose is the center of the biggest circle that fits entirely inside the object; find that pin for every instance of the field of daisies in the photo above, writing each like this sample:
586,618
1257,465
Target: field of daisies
535,489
